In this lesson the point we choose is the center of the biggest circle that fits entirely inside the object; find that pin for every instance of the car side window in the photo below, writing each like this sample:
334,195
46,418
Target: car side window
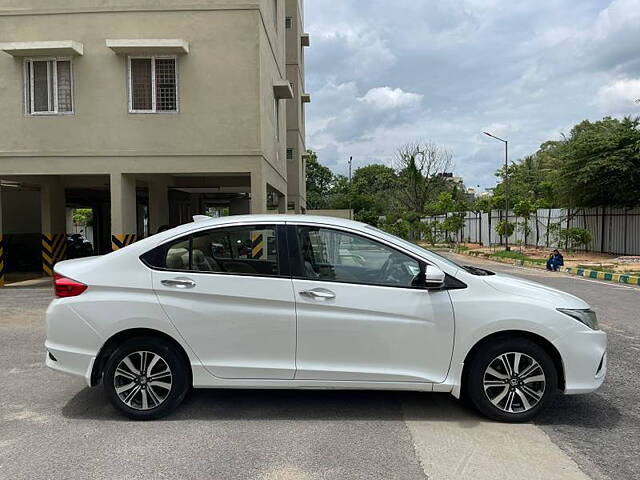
177,256
250,250
336,256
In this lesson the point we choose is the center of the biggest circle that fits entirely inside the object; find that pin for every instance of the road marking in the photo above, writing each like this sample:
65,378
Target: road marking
453,443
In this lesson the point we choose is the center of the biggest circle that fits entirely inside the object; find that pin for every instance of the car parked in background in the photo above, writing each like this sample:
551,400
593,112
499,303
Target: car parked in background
284,301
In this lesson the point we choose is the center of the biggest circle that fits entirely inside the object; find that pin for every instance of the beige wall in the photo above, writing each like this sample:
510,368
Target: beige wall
218,86
225,118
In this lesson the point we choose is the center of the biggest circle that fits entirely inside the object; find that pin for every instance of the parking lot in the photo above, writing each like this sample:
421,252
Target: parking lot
53,426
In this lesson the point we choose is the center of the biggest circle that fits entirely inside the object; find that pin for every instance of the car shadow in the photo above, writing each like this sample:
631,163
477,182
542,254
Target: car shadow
590,411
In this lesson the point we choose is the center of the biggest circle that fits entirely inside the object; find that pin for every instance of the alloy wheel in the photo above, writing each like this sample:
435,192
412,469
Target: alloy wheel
142,380
514,382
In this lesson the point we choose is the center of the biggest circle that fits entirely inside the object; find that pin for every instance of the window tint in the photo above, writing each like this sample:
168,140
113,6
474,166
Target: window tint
247,250
331,255
177,256
250,250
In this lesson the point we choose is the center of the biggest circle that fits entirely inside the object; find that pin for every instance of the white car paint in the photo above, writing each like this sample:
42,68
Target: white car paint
259,332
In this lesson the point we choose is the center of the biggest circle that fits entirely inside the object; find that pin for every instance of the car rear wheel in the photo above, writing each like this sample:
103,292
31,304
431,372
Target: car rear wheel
511,380
146,378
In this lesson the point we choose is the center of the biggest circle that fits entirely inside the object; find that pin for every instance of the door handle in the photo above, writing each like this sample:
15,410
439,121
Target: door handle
179,283
318,293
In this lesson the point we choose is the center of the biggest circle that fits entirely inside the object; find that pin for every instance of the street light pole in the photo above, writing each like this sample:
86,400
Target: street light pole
350,161
506,184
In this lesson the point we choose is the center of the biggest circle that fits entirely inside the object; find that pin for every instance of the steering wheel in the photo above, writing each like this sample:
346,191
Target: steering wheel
386,266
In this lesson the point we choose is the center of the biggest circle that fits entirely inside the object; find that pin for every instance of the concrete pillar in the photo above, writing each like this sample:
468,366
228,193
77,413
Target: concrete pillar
53,223
2,255
258,194
123,210
158,206
282,203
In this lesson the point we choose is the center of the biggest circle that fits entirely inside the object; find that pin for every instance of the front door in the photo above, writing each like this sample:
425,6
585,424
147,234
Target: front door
226,293
359,318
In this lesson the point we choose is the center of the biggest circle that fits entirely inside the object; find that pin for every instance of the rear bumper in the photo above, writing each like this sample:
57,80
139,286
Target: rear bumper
69,362
72,344
584,357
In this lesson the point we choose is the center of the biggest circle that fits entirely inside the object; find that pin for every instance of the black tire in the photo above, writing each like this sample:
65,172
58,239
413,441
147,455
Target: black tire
486,356
179,378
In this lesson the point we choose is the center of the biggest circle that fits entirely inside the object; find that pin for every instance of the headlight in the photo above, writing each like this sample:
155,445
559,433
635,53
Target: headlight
583,315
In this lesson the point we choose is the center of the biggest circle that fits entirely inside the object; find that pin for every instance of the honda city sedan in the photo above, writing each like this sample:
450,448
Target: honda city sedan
303,302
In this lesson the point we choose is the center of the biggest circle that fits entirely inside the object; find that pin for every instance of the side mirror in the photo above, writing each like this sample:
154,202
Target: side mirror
430,277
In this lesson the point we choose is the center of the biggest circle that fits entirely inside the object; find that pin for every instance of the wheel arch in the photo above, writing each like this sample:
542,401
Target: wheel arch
538,339
122,336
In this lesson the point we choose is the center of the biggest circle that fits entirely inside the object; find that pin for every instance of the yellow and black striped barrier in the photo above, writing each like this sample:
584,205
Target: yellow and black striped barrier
54,248
257,245
121,240
1,261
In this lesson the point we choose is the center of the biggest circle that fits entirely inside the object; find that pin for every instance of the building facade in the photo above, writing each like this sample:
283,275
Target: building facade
147,112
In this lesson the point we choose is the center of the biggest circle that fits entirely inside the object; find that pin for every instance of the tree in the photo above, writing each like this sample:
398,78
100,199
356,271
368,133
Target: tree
420,180
374,179
524,208
320,180
600,163
82,216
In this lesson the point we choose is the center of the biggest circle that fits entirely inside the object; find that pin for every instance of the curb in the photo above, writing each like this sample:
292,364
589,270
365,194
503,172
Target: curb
581,272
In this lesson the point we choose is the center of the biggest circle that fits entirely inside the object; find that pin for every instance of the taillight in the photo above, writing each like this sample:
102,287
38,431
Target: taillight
65,287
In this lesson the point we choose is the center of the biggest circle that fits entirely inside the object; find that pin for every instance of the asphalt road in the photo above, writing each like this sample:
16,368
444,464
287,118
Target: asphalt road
52,426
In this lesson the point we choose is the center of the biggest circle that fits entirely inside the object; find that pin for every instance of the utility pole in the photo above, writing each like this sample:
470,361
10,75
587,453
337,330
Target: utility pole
506,185
350,161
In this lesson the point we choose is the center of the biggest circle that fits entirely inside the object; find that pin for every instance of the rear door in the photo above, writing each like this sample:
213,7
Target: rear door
229,294
359,318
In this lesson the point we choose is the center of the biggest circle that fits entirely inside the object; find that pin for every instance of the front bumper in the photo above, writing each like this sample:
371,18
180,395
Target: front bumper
584,358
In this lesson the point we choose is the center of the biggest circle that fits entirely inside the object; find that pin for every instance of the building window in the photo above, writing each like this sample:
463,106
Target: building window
153,84
276,117
289,153
288,23
275,14
48,86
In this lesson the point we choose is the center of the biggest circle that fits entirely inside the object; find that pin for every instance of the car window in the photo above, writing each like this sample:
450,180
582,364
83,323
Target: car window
177,256
248,250
332,255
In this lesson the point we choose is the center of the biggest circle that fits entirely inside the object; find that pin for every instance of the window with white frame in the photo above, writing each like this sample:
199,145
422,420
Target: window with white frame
153,84
288,23
48,86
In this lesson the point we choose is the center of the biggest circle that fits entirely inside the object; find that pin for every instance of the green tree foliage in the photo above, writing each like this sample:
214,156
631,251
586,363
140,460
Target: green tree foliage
82,216
320,181
598,164
505,228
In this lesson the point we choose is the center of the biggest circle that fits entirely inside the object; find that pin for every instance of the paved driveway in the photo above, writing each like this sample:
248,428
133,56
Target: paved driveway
52,426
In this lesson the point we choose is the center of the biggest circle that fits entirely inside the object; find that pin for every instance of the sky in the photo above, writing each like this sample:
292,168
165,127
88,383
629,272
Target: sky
383,73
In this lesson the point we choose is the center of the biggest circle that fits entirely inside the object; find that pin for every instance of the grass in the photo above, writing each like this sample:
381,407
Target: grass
515,255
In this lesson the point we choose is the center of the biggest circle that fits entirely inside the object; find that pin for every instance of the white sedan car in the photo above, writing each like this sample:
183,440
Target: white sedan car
284,301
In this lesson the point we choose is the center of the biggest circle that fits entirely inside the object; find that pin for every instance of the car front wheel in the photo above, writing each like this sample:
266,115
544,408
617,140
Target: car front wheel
146,378
512,380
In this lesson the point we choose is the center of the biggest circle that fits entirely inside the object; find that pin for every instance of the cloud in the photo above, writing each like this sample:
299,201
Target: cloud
445,71
619,97
387,98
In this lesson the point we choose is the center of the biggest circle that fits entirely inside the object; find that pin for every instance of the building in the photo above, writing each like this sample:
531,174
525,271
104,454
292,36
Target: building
147,112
